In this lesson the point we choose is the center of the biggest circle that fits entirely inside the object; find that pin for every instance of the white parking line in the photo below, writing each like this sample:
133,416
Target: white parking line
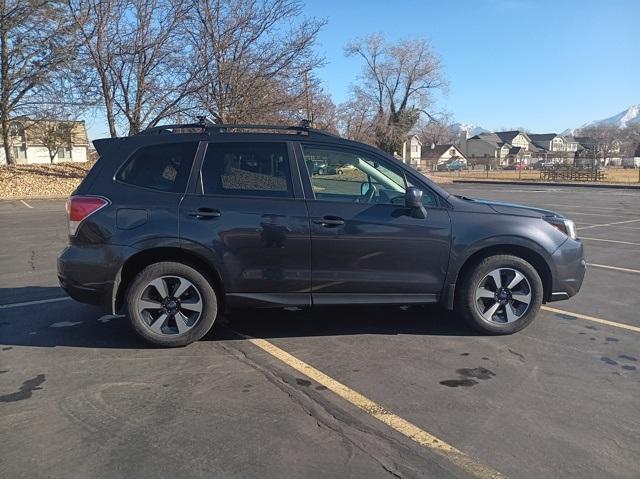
31,303
609,241
609,224
615,268
26,204
592,318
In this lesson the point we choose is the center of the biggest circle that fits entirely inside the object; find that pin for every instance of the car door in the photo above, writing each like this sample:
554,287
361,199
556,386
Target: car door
366,245
247,215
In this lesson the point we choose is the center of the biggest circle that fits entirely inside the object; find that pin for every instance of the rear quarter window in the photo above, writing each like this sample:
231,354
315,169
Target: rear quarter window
164,167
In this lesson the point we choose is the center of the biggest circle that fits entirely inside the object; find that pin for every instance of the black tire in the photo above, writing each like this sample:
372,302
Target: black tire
465,294
204,289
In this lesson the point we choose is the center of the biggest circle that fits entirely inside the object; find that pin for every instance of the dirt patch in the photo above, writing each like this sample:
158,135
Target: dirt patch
35,181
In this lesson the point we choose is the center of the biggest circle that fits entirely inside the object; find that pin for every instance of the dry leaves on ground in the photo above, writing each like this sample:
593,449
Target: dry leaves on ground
35,181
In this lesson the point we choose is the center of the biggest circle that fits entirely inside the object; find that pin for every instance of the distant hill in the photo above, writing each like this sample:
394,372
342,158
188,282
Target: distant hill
470,128
628,117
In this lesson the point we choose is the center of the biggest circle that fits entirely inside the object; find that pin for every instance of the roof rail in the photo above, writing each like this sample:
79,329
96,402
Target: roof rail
208,127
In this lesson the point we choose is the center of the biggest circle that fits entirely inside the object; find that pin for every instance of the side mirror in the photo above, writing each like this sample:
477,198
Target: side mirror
364,188
413,200
413,197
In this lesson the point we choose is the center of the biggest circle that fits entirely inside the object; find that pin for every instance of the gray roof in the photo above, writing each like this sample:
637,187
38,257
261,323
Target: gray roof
542,137
508,136
539,146
585,141
491,138
437,151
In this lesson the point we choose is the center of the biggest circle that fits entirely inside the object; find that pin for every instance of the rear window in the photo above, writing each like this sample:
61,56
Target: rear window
163,167
247,169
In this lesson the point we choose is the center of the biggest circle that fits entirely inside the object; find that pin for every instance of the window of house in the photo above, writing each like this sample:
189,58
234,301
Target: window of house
247,169
64,153
20,152
163,167
352,177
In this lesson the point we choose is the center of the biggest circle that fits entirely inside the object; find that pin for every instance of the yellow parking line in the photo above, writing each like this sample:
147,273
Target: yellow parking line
591,318
404,427
615,268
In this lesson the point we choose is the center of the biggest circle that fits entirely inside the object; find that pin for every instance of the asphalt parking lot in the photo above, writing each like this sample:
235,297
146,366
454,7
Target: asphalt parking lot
331,392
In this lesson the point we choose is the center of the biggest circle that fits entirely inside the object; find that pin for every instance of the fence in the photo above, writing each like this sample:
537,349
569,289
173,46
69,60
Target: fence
572,174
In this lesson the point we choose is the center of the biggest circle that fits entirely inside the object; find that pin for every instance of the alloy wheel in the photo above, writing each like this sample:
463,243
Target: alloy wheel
170,305
503,296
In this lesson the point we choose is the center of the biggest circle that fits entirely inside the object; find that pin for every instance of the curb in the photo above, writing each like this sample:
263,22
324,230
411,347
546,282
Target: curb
38,198
622,186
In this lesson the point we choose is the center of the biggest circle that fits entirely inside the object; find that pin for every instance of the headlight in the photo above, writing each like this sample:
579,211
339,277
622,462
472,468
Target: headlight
567,227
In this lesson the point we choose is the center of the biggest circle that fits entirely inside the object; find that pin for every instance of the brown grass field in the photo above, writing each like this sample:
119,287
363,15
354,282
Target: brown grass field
612,175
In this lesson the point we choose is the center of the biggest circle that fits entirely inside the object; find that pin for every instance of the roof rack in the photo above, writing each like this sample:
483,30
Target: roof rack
205,126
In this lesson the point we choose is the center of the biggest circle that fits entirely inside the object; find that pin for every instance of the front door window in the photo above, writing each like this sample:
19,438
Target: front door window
353,177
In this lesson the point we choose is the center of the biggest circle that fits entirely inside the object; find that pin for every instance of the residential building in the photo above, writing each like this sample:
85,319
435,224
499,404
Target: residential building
411,151
605,152
502,147
37,141
439,154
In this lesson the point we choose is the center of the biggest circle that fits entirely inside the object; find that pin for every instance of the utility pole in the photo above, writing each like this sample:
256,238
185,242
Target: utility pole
308,97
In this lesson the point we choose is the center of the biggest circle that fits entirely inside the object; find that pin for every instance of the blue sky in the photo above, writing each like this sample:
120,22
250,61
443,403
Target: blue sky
538,64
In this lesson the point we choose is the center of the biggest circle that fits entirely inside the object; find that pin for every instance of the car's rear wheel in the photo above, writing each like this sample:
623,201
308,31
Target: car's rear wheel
502,294
171,304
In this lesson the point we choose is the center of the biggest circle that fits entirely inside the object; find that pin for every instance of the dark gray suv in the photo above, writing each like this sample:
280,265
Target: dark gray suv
177,223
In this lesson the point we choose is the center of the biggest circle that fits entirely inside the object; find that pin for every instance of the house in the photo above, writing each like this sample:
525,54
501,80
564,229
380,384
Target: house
438,154
411,151
47,141
503,147
553,147
605,152
632,158
549,142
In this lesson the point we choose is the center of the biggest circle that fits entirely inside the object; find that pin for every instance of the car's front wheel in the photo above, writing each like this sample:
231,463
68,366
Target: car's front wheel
501,295
171,304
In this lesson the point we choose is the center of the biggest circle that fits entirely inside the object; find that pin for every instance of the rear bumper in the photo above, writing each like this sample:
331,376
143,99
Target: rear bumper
87,272
570,268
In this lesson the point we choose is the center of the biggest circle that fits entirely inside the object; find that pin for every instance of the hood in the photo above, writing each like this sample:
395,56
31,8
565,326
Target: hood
515,209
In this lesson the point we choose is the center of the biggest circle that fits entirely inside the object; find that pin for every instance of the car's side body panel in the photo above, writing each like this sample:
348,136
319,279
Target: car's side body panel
270,252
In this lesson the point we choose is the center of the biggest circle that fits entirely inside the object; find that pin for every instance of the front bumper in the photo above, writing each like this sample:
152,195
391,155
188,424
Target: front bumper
570,267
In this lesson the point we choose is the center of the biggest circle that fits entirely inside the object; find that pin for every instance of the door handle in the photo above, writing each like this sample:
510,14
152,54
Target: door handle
205,213
329,221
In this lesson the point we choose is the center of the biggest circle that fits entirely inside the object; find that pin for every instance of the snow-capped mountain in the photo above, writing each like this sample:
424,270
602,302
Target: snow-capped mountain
469,128
628,117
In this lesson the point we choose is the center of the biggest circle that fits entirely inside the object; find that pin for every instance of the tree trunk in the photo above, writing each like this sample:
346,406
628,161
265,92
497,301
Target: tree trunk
6,140
6,86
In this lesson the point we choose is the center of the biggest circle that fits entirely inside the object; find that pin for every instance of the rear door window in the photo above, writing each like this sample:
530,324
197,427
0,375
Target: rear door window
164,167
247,169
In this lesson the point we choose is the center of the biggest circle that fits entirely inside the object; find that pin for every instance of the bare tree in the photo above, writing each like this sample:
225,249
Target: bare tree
54,135
253,55
603,142
437,131
97,23
399,79
136,49
356,119
34,47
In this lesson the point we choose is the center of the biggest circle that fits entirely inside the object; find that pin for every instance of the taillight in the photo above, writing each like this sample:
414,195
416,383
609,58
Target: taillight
79,208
